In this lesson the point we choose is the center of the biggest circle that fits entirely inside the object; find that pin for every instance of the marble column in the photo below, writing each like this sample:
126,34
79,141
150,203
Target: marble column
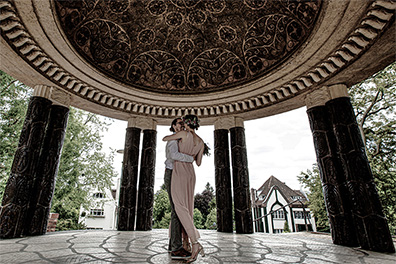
45,176
334,184
369,220
351,170
20,190
144,216
240,175
222,179
128,186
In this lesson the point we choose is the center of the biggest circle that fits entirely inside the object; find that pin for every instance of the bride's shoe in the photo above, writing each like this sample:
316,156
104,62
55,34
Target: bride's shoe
194,255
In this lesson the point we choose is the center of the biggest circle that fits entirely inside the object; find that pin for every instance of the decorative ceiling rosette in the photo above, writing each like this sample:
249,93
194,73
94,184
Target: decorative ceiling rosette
270,38
208,45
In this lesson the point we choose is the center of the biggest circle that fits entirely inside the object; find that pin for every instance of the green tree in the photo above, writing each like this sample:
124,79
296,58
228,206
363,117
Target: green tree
286,228
198,219
211,219
83,167
14,98
161,208
311,181
374,102
202,200
165,221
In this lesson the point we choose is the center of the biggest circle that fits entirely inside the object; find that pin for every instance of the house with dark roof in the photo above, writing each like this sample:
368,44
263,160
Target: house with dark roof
276,208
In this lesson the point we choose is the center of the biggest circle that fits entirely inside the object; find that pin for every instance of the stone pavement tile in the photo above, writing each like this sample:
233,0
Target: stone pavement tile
10,247
49,254
163,259
20,257
267,261
256,250
41,261
239,259
332,258
39,247
76,258
226,253
293,258
131,254
151,247
89,250
379,261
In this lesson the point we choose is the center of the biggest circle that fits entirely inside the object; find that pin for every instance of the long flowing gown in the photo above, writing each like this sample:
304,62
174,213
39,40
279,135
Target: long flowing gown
183,185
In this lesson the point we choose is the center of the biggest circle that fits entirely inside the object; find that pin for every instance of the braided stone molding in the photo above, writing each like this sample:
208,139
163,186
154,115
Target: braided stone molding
378,16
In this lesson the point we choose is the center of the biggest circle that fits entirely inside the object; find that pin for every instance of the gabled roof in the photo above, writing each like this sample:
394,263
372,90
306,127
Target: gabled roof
286,191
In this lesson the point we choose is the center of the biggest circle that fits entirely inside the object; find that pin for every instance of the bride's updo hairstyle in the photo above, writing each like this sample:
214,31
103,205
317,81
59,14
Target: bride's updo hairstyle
192,121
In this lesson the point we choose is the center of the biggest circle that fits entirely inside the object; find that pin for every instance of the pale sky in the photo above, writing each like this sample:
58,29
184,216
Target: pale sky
279,145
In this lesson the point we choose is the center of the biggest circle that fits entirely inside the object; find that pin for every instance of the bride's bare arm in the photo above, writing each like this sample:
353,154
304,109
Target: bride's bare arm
198,157
178,135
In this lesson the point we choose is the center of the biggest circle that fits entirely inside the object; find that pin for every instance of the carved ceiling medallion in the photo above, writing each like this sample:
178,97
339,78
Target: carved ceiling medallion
186,46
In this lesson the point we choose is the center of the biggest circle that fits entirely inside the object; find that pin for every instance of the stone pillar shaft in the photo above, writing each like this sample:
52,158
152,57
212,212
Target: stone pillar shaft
332,176
146,181
127,199
18,191
242,203
369,220
45,177
223,181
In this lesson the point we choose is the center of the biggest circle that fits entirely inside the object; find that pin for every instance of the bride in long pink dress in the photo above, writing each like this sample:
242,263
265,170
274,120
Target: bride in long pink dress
183,180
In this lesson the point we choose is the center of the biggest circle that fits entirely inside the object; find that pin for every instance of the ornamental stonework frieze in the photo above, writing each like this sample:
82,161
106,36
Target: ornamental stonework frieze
190,47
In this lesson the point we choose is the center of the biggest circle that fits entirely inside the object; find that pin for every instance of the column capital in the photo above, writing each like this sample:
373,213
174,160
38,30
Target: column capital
142,123
42,91
228,122
57,96
324,94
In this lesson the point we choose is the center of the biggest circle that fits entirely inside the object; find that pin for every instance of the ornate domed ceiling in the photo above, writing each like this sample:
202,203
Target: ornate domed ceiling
158,59
186,46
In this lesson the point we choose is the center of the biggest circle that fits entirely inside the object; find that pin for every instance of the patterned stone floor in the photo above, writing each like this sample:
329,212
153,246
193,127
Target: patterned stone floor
151,247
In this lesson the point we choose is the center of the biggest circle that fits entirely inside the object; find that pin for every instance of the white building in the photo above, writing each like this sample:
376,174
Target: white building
103,211
275,204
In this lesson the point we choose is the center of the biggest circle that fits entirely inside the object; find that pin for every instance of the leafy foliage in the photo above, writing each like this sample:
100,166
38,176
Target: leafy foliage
311,180
202,201
286,228
198,219
211,219
162,209
83,167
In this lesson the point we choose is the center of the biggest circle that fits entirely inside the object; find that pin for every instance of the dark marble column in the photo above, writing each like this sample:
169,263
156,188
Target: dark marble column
334,186
18,191
127,199
242,203
223,181
45,175
369,220
144,216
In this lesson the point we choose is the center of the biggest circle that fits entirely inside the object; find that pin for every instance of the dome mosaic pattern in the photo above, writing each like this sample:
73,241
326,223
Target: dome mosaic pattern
186,46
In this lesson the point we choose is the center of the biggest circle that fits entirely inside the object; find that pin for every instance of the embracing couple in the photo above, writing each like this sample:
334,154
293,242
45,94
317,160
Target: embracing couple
182,149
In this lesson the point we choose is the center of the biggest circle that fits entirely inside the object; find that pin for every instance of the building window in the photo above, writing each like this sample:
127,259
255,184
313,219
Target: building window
295,198
300,215
278,231
98,195
96,212
278,214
